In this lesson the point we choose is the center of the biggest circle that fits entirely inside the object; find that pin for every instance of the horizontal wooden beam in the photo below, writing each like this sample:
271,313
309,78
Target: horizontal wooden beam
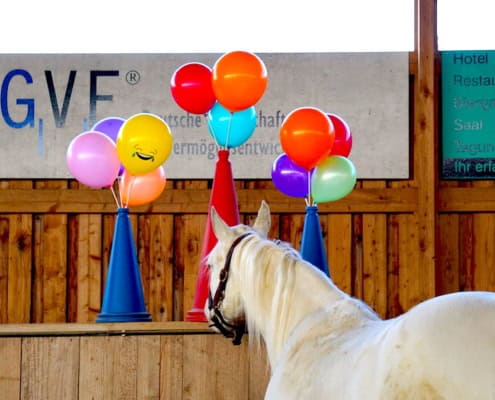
121,329
467,199
194,201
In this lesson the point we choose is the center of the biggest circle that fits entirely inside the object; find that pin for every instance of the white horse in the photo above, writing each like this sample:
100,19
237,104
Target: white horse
323,344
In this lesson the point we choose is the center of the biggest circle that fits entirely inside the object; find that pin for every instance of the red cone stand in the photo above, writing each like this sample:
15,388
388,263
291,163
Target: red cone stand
224,198
312,246
123,299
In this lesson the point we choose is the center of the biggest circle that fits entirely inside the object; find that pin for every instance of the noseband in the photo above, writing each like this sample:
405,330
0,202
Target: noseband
229,330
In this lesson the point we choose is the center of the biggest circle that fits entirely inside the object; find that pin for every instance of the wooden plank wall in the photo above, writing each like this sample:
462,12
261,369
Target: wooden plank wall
392,243
54,260
130,367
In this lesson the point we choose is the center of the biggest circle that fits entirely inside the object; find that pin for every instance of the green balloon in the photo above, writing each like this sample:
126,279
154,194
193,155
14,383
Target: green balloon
333,179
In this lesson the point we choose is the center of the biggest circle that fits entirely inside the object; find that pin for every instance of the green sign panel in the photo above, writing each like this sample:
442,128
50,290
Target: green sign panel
468,114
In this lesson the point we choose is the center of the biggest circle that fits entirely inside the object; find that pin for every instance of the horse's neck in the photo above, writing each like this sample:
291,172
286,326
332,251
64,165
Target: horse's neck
291,295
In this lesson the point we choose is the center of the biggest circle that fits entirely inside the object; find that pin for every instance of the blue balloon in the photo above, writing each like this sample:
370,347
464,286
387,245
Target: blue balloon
231,129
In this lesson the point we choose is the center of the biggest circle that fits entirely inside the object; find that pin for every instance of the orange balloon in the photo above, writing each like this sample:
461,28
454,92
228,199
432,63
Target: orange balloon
307,136
136,190
239,80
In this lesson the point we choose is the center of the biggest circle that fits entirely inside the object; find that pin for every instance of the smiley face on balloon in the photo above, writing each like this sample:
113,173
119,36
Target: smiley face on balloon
144,143
143,154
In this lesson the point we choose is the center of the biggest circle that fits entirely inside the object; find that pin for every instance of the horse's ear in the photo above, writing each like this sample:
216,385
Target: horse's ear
221,230
263,220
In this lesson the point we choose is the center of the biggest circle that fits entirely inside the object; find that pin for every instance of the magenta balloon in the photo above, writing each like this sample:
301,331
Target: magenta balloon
290,178
92,159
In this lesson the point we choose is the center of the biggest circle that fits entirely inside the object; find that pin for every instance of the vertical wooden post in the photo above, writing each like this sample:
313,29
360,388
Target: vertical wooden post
426,141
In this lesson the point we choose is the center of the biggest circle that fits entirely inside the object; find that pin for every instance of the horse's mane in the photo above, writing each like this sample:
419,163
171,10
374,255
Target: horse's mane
277,287
267,276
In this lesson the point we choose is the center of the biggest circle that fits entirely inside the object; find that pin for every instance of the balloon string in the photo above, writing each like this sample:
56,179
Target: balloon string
119,182
115,196
228,130
309,203
129,189
211,130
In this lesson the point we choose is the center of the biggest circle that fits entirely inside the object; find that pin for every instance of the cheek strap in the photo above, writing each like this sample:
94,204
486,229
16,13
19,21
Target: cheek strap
218,321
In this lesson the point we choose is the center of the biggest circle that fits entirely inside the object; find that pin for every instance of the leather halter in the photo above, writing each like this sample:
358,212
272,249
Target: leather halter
229,330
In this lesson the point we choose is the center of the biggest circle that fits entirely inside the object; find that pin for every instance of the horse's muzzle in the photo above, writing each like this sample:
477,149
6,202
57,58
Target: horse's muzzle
217,321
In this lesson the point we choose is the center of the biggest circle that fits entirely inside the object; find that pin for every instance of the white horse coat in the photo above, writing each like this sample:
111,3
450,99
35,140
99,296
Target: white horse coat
323,344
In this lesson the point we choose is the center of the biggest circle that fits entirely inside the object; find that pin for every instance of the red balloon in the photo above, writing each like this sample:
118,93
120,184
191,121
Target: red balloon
192,89
307,136
343,136
239,80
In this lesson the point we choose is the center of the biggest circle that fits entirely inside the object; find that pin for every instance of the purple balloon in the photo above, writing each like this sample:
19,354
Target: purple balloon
110,126
290,178
92,159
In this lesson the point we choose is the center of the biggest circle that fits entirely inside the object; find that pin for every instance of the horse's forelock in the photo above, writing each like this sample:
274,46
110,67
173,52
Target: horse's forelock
216,257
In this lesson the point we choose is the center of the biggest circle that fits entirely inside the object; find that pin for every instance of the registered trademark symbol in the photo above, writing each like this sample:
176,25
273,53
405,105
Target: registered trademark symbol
132,77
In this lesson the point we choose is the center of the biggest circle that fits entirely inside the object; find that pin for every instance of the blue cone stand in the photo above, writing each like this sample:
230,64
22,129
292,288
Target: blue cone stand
312,246
123,299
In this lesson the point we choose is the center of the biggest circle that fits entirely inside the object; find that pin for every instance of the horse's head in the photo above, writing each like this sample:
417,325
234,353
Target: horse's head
224,308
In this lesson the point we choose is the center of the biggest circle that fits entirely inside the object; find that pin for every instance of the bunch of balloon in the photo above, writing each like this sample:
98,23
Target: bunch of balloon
130,152
314,166
226,94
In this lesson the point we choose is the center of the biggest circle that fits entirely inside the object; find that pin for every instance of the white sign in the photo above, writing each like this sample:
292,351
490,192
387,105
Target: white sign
46,100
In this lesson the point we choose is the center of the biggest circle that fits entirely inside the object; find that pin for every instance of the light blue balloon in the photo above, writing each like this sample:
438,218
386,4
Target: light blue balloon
231,129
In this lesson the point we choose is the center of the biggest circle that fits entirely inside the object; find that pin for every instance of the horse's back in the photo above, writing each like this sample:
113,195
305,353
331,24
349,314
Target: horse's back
443,348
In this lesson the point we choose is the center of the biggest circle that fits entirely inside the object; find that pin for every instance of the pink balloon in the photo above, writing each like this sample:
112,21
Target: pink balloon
92,159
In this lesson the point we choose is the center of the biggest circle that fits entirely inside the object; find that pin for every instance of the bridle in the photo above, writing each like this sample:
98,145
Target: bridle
235,331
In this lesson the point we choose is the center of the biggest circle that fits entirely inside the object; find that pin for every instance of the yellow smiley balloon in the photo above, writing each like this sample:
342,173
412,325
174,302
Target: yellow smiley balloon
144,143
